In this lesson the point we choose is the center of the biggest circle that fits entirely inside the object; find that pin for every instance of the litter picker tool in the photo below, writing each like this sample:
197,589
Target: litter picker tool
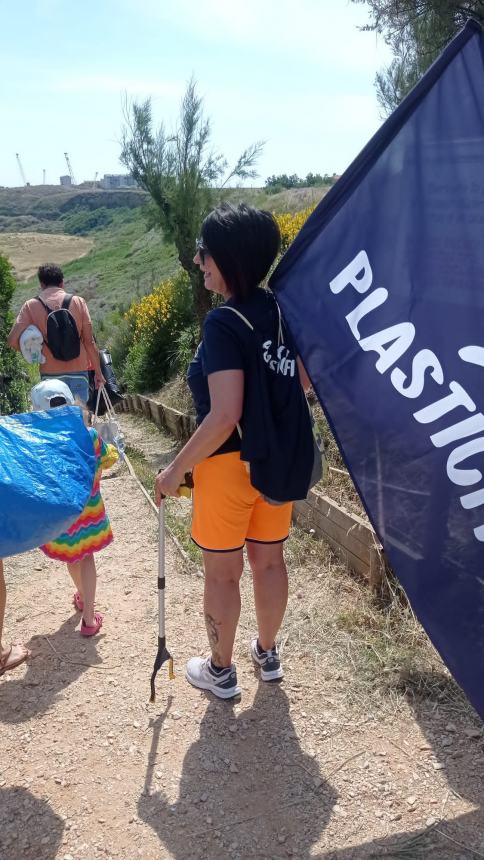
163,655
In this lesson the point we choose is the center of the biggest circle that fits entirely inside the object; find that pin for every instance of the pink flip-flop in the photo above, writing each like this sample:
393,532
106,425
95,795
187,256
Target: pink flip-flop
92,629
78,601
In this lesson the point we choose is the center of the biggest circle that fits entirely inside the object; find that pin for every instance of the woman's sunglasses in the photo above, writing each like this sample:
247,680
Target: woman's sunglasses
202,251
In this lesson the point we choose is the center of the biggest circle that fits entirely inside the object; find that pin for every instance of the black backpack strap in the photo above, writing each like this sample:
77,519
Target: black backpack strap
67,301
44,304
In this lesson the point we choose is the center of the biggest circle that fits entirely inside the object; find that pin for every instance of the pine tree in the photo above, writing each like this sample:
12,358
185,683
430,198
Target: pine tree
416,31
180,172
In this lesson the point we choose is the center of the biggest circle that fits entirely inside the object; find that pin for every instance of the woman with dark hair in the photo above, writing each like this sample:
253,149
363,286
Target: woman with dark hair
237,247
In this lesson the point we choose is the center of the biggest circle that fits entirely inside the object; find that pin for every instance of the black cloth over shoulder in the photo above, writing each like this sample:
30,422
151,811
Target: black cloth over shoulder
277,439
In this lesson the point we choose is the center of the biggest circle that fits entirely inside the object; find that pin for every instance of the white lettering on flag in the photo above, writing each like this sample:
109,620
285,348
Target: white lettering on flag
391,344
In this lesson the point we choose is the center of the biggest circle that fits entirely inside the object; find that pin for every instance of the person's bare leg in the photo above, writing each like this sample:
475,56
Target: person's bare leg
11,655
221,602
75,574
88,581
269,576
3,602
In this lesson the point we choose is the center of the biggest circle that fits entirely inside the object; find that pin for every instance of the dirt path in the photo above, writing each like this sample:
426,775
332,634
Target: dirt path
89,769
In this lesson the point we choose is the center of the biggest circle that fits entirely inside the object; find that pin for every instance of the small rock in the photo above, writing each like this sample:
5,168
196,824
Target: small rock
233,768
396,817
136,725
450,727
317,782
411,800
430,821
472,733
281,838
379,813
437,765
233,727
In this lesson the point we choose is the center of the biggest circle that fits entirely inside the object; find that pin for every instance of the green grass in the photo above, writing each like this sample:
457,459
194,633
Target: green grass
127,260
125,263
178,519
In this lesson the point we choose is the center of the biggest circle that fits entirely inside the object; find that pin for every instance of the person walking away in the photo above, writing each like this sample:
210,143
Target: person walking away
91,532
12,655
237,248
69,347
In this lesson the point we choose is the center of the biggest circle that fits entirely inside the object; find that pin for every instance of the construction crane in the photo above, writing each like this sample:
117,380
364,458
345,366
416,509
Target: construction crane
22,174
69,167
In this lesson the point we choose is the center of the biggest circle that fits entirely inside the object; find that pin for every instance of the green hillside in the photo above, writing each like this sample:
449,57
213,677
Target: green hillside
127,258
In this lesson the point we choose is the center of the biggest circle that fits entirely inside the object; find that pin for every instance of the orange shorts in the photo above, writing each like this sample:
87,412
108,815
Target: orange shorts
228,511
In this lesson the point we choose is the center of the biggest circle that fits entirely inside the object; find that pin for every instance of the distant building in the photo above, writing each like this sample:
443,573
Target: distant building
118,180
66,181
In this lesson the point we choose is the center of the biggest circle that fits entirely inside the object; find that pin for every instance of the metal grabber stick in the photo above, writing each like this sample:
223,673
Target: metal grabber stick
163,655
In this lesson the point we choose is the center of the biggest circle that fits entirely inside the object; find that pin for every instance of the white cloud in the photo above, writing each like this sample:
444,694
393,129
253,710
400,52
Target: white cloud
322,31
107,84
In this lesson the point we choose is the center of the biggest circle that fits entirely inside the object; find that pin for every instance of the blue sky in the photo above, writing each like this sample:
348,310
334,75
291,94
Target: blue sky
295,73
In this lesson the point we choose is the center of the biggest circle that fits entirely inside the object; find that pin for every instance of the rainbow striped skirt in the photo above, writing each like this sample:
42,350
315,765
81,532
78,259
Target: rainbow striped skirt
90,533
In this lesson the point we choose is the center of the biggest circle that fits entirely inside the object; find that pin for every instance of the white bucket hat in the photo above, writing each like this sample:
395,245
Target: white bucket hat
30,343
44,392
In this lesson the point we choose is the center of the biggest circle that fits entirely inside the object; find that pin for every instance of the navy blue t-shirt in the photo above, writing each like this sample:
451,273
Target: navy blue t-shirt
223,349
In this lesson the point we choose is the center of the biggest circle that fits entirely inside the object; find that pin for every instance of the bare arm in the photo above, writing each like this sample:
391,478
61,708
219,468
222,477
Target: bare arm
90,345
226,400
21,323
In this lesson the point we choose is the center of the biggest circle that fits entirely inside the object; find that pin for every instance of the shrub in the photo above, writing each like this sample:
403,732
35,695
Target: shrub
156,322
184,350
290,225
81,221
12,379
119,343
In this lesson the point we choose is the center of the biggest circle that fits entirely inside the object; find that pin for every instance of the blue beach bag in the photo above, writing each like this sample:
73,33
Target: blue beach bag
47,467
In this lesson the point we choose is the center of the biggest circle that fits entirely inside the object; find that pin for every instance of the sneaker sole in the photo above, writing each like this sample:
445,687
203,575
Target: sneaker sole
275,675
211,688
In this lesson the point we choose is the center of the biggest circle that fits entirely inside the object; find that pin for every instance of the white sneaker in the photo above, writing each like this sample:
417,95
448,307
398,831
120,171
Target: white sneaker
268,662
222,683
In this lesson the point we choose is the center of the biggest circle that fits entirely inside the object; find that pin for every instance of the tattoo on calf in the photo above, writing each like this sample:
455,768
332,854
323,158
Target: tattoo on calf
213,636
211,624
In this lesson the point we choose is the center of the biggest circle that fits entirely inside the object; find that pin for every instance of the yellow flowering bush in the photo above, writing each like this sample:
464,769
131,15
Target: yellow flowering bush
156,322
153,310
290,225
